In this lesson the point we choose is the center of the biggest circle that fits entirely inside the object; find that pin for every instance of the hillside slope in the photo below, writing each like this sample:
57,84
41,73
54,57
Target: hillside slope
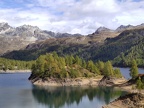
63,46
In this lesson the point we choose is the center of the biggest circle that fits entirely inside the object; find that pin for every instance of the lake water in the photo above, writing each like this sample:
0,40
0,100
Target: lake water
17,92
125,72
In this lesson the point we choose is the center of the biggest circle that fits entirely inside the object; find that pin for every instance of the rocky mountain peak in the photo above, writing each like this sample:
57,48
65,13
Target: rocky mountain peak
4,26
102,29
123,27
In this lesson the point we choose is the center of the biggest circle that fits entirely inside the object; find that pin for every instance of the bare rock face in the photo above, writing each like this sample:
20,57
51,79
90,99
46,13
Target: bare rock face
134,100
23,32
16,38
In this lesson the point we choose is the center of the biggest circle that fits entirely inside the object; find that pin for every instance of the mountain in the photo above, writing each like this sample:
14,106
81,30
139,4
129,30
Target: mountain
24,32
113,46
30,31
104,44
17,38
65,45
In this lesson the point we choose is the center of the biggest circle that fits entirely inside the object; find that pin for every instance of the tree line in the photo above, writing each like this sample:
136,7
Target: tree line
8,64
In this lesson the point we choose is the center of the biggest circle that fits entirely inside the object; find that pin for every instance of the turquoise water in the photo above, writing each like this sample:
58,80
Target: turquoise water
17,92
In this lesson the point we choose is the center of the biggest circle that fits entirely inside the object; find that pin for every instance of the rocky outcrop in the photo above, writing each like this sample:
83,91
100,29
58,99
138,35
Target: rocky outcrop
134,100
131,81
111,81
106,81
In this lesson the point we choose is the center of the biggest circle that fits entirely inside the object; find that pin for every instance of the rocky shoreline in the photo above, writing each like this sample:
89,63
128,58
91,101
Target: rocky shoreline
82,81
133,100
67,82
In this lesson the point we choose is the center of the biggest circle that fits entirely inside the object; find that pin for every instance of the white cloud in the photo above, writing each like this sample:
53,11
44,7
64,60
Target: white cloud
72,16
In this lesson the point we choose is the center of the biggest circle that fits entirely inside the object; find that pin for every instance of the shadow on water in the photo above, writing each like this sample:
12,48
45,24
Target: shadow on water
56,97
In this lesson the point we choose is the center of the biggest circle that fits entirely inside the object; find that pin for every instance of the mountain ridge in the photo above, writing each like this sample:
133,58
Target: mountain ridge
16,38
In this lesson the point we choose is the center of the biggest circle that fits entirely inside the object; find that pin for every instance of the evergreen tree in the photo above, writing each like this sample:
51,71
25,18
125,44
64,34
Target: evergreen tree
108,69
100,65
90,65
134,69
78,61
139,84
84,64
117,73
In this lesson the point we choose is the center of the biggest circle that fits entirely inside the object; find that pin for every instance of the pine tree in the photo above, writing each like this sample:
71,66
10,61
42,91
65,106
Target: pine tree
134,69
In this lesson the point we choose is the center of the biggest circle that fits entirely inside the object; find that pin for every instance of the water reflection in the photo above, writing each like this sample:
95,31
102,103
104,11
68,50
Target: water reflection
56,97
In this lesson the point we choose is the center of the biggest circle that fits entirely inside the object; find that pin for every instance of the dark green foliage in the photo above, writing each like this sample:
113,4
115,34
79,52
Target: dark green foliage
136,52
114,46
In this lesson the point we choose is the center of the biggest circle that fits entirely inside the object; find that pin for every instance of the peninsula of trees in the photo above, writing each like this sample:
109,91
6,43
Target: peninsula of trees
53,66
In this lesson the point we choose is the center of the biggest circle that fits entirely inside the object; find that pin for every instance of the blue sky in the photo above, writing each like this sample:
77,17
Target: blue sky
72,16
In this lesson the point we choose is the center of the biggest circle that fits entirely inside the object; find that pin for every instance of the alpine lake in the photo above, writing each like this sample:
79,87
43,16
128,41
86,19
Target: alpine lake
16,91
